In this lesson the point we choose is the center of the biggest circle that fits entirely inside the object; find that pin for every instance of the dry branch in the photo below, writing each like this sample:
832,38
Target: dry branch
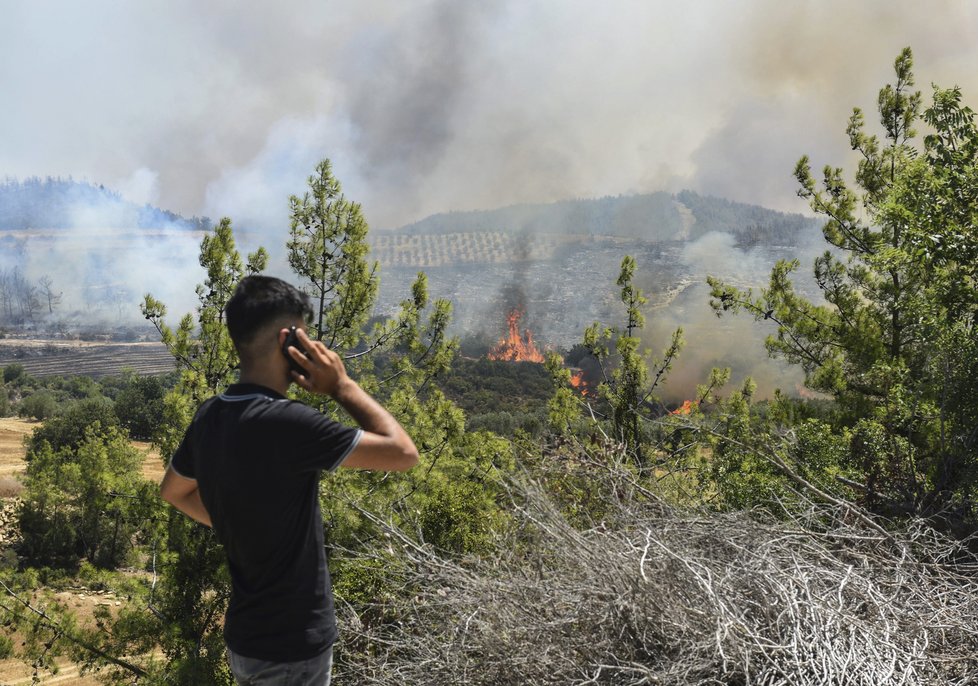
651,595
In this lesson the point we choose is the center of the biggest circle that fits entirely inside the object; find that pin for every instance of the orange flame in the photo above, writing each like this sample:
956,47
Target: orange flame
516,347
687,407
578,382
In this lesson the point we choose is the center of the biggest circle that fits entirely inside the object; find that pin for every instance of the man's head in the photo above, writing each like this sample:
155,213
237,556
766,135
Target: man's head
259,308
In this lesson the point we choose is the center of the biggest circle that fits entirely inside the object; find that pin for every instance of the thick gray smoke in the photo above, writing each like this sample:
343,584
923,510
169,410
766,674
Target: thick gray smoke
438,105
224,108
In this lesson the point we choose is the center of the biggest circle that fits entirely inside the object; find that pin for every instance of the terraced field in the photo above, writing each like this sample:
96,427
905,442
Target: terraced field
489,247
67,358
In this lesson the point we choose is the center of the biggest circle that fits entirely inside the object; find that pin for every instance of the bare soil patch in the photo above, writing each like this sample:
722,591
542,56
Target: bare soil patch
13,431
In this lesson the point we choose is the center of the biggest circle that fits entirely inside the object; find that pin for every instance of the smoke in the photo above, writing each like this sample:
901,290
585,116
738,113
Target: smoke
141,187
100,272
440,105
734,340
221,108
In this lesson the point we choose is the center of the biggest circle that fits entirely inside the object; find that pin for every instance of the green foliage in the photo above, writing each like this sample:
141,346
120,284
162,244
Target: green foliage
201,345
455,516
494,387
899,285
628,385
77,420
451,500
563,407
769,455
84,500
39,405
78,387
139,405
327,250
14,374
4,401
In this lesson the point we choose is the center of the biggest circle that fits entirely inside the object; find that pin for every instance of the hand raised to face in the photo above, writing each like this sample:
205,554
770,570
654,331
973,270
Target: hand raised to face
323,370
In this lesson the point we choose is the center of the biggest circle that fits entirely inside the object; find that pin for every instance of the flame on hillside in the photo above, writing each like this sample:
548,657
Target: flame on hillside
579,382
516,346
687,407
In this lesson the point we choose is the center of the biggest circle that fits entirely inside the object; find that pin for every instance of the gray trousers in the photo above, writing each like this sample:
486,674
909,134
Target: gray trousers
248,671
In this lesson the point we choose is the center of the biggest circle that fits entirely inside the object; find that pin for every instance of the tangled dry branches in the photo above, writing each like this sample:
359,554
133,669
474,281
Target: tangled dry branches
651,595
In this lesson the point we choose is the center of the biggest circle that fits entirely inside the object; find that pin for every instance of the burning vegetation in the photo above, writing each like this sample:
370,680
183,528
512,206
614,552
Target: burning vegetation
686,408
516,346
579,383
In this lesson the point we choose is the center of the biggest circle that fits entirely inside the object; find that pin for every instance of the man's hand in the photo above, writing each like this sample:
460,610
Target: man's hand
324,370
384,444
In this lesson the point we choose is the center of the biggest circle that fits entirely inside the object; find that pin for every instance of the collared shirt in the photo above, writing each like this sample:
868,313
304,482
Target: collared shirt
257,458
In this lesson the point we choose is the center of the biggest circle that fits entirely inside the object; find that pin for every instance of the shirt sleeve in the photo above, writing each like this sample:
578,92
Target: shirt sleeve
322,442
183,460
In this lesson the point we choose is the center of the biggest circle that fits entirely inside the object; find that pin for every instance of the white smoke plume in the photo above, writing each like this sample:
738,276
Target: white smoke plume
439,105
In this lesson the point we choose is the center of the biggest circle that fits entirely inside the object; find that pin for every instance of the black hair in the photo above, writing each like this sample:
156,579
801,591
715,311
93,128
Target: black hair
259,301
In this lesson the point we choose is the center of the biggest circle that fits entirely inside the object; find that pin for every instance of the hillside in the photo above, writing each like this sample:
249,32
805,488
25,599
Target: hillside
650,217
559,261
56,203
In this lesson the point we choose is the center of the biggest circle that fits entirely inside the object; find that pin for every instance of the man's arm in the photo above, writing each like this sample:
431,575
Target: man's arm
384,446
184,495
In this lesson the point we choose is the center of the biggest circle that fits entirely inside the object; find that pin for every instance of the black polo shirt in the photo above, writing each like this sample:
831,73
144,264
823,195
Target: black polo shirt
257,458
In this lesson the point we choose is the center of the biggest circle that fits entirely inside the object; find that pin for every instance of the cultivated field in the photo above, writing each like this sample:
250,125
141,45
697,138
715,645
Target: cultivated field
69,358
12,434
489,247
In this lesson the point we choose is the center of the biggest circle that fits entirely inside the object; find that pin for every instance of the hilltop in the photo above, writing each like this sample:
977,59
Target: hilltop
651,217
56,203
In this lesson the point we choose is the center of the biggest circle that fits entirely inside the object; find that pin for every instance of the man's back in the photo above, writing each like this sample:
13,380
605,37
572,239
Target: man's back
257,459
249,466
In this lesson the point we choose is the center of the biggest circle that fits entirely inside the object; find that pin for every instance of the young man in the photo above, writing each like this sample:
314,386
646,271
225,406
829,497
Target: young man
249,466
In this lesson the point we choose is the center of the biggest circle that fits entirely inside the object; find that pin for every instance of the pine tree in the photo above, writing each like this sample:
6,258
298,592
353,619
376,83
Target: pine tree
894,342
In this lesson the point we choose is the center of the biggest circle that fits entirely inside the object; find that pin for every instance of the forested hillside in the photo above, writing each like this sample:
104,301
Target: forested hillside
56,203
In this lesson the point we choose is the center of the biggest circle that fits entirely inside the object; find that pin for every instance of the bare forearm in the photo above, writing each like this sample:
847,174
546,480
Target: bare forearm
367,412
192,506
384,444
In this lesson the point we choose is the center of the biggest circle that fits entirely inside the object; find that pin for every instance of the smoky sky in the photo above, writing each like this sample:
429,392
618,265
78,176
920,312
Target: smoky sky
224,108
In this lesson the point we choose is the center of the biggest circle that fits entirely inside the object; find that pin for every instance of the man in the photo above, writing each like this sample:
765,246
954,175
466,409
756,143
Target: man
249,466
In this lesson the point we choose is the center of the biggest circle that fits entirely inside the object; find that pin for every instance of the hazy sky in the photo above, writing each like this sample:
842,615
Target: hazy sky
223,107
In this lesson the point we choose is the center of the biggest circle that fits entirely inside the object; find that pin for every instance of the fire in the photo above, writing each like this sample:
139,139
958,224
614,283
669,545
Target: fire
577,381
687,407
516,347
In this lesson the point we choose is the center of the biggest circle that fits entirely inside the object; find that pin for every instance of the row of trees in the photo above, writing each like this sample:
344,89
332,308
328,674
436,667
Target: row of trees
893,348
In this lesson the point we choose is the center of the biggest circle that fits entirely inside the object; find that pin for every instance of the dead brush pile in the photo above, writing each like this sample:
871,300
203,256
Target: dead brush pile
652,595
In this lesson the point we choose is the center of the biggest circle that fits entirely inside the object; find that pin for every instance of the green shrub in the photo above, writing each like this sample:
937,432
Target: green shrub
14,374
68,429
85,501
139,405
38,405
